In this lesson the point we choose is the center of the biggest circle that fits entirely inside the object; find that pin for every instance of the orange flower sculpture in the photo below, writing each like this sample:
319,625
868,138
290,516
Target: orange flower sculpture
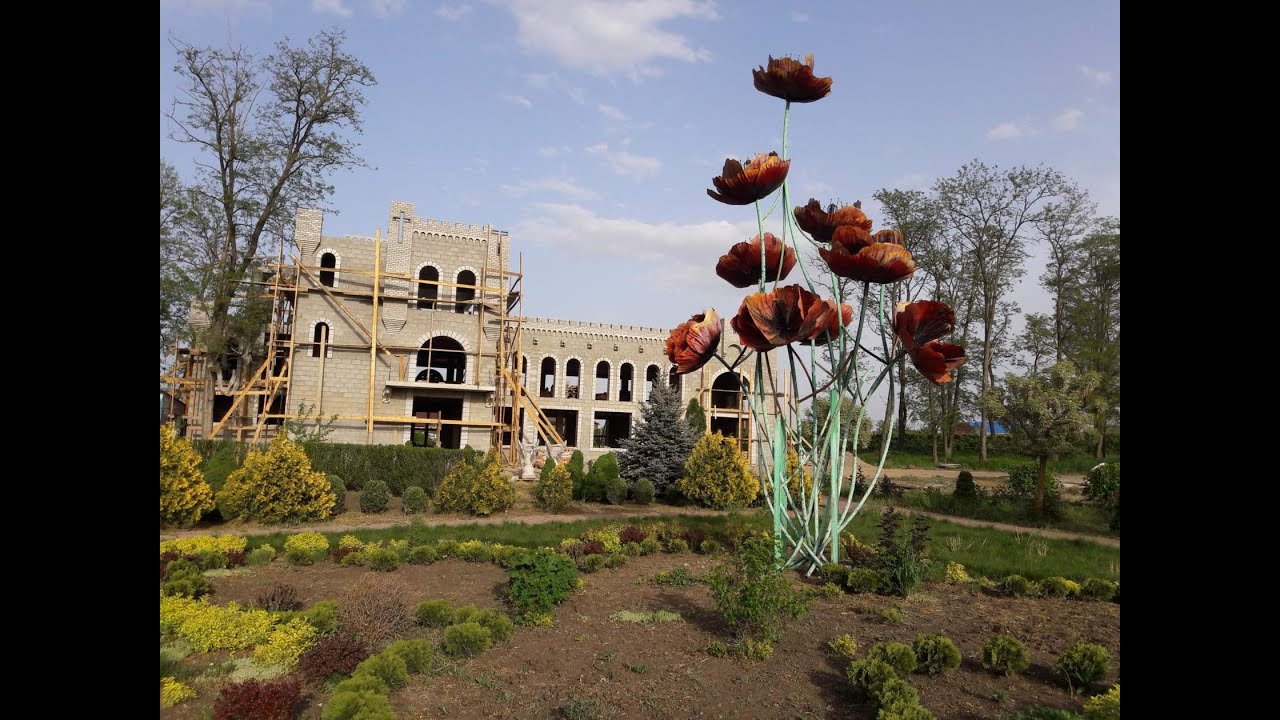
741,266
918,326
858,255
791,80
821,224
693,343
743,185
786,315
936,360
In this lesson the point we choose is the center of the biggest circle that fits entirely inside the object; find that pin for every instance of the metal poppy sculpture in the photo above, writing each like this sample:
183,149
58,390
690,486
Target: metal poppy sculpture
816,337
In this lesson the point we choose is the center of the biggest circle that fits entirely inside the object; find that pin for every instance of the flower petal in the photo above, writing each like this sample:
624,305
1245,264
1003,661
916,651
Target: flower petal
740,267
936,360
821,224
923,321
693,343
877,263
791,80
742,185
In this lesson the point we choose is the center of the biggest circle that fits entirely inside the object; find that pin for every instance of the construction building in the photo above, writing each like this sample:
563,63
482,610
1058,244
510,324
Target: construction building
419,336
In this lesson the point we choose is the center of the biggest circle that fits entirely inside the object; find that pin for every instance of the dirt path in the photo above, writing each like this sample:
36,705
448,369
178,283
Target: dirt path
1043,532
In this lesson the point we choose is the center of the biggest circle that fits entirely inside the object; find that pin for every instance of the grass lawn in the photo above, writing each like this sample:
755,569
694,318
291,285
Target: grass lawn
1072,516
1071,464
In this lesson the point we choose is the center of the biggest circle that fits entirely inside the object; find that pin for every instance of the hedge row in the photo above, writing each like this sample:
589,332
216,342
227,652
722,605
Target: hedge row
399,466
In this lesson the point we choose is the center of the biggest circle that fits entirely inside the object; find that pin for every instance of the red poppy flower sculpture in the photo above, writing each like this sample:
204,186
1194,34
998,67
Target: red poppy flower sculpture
740,267
791,80
786,315
918,326
821,224
740,184
858,255
693,343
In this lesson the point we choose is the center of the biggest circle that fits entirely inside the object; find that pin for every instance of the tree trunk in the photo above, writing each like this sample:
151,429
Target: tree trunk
902,395
1040,486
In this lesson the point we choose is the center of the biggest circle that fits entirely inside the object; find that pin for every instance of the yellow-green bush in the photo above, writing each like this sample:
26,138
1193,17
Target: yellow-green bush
479,490
285,644
607,536
1105,706
956,574
797,474
184,495
717,475
173,692
303,548
211,627
202,544
277,485
554,490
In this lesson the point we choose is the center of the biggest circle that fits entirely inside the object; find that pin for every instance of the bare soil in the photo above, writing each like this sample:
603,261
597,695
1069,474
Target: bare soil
626,670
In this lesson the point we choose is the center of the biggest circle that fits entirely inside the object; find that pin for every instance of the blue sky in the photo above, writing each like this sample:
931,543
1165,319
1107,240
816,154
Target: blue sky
590,130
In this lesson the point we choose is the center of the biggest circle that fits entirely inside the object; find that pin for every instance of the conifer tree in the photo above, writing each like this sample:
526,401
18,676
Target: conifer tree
661,443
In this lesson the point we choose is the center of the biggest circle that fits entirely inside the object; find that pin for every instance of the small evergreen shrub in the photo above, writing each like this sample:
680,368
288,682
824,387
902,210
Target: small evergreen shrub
375,497
1098,589
717,474
1059,587
602,473
388,667
184,494
304,548
481,488
935,654
591,563
539,580
261,555
466,640
677,577
1018,586
615,491
896,694
414,500
422,555
862,580
708,547
955,574
830,591
382,559
577,473
1005,653
751,593
677,546
966,489
276,485
554,490
902,557
898,656
323,616
867,678
183,578
649,546
363,682
834,573
497,623
843,646
893,616
337,654
1105,706
416,654
632,549
643,491
475,551
446,549
173,692
362,705
257,700
339,489
434,613
285,644
1083,664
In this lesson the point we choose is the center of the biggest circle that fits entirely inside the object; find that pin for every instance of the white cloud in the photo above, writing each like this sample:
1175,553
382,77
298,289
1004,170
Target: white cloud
388,8
1068,119
797,16
625,163
1099,77
605,37
331,7
233,9
573,227
563,186
453,12
612,112
1008,131
520,100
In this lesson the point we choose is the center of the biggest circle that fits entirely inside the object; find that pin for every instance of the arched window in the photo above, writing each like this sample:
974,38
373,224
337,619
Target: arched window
573,378
321,336
443,360
465,294
726,392
650,379
547,378
524,371
328,260
427,294
602,380
674,378
625,381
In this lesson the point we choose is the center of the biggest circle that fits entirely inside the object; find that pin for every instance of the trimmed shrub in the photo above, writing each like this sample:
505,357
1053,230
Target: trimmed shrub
867,678
497,623
577,472
399,466
219,464
708,547
388,667
447,548
955,574
276,485
304,548
717,475
752,595
1005,653
422,555
416,654
173,692
184,494
935,654
466,640
183,578
1105,706
382,559
591,563
897,694
257,700
893,616
642,492
862,580
632,549
323,616
479,489
334,655
1083,664
475,551
279,597
285,644
603,471
905,712
374,612
829,591
434,613
375,497
554,490
843,646
338,487
1018,586
1059,587
677,546
362,682
261,555
539,580
615,491
834,573
1098,589
649,546
966,489
362,705
898,656
414,500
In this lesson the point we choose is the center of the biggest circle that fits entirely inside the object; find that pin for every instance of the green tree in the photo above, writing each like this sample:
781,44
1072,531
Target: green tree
267,134
554,490
1062,225
577,472
717,475
660,445
1037,341
695,417
1093,321
1045,414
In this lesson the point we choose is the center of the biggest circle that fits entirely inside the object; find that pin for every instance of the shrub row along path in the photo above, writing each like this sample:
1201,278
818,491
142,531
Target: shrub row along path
1042,532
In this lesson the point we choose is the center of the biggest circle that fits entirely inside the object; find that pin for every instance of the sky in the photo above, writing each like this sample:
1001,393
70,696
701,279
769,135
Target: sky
590,130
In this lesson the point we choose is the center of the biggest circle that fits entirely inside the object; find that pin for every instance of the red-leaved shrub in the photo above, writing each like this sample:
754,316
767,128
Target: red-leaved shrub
257,700
333,655
632,534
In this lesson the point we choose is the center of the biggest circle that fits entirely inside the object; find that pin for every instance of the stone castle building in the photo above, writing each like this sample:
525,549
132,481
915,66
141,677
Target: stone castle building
425,362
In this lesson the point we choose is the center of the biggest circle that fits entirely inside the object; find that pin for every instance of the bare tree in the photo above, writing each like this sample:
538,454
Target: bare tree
268,132
988,210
